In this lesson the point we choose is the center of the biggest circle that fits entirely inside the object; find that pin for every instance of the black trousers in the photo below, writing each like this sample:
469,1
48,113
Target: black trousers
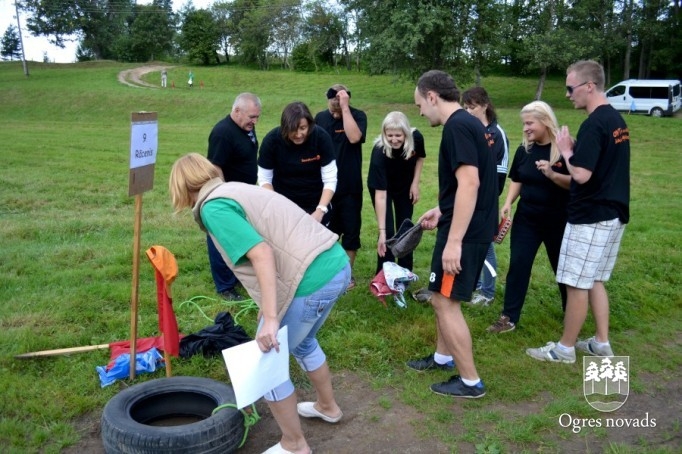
528,231
398,208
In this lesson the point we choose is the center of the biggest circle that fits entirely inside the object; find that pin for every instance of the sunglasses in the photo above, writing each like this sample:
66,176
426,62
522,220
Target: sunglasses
570,89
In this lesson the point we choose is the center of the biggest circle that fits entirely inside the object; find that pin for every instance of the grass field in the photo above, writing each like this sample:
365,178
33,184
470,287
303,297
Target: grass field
66,247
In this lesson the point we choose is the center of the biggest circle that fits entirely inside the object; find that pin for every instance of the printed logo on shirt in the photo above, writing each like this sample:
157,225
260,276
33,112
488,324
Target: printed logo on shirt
314,158
621,135
339,131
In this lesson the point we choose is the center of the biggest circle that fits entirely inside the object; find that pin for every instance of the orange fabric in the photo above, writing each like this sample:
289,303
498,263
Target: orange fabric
166,271
447,284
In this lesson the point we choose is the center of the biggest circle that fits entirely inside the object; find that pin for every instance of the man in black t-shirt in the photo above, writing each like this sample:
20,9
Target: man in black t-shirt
598,209
233,148
347,127
466,217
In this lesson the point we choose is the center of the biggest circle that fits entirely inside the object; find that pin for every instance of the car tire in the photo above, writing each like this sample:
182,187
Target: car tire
172,415
656,112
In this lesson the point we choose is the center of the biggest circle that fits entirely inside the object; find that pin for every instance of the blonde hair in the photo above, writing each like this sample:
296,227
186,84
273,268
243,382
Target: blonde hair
396,120
188,175
542,112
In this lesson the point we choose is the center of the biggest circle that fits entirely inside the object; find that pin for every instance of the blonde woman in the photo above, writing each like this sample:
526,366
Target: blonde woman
290,264
540,179
394,172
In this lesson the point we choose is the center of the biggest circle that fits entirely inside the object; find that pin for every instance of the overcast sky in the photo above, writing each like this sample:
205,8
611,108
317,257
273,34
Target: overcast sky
35,47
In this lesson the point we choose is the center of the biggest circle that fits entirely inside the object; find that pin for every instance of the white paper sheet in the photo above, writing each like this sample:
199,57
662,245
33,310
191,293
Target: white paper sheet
252,372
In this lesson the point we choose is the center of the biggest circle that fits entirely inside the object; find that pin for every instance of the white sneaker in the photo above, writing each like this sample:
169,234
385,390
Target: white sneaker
590,347
552,353
480,300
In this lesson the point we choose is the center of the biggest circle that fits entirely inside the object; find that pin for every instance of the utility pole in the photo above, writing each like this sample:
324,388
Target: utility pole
21,39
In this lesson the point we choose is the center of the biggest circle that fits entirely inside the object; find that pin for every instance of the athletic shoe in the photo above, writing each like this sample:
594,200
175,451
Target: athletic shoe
423,295
502,325
428,363
590,347
455,387
552,353
479,299
231,295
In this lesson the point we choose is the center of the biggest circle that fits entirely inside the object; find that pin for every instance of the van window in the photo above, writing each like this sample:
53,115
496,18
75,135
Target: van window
649,92
618,90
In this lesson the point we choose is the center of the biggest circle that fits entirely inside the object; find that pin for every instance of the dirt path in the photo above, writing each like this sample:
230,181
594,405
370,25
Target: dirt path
132,77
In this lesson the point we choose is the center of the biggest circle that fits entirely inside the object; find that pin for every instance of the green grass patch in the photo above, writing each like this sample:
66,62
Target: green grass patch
66,231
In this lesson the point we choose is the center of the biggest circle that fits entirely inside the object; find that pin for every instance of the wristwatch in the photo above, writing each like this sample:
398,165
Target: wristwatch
323,209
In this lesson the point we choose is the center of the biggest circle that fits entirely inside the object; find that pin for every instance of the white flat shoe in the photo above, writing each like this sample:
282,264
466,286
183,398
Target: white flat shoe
277,449
308,410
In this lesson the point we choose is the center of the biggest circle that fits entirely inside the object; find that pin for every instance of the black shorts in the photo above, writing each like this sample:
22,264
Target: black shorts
346,219
461,286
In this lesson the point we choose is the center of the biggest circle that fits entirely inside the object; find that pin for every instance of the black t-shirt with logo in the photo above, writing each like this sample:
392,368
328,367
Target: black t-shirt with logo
394,174
603,147
297,168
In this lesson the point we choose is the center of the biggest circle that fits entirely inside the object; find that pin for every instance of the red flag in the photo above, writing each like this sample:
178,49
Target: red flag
166,270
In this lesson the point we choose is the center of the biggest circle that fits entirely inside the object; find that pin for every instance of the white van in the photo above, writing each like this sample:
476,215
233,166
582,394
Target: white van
652,97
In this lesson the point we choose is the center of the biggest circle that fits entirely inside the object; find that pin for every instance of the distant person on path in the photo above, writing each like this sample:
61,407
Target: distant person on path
164,78
296,159
190,81
393,181
598,209
233,149
466,219
292,267
539,177
477,102
347,126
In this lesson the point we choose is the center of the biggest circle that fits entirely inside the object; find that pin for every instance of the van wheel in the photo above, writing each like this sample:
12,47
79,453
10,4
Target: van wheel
172,415
656,112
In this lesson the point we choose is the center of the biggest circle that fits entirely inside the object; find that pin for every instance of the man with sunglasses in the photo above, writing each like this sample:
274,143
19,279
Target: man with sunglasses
598,209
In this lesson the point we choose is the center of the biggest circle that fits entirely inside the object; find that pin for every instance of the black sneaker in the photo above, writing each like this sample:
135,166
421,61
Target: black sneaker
455,387
231,295
428,363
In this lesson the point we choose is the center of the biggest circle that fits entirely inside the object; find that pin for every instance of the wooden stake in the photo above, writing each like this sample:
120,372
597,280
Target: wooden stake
136,284
62,351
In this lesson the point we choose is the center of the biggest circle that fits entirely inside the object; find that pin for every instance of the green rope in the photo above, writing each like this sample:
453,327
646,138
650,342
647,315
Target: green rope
244,306
250,418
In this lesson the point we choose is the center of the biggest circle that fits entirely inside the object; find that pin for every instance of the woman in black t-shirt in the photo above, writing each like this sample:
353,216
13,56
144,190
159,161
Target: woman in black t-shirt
393,180
540,178
296,159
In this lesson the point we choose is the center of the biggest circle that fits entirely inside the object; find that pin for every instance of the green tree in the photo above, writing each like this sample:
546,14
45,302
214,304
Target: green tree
200,36
322,32
10,46
98,23
151,31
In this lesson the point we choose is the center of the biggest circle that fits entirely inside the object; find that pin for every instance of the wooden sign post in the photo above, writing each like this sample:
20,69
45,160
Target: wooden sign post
144,140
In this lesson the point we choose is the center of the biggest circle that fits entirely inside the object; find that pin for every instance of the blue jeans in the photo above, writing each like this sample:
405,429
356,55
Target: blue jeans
223,277
304,318
487,282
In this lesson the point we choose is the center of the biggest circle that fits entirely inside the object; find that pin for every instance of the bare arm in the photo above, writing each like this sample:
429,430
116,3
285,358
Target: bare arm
566,143
349,125
465,203
380,211
414,187
512,195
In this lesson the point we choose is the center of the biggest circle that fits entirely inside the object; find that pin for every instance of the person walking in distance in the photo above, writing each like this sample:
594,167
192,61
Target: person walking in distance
233,149
347,126
466,218
598,210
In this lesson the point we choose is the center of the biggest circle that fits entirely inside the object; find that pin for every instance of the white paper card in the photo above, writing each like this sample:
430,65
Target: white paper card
253,373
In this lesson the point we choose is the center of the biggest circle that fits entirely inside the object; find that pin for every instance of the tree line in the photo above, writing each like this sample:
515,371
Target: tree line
632,38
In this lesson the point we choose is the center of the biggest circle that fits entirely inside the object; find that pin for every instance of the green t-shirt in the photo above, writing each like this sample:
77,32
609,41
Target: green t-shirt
226,221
